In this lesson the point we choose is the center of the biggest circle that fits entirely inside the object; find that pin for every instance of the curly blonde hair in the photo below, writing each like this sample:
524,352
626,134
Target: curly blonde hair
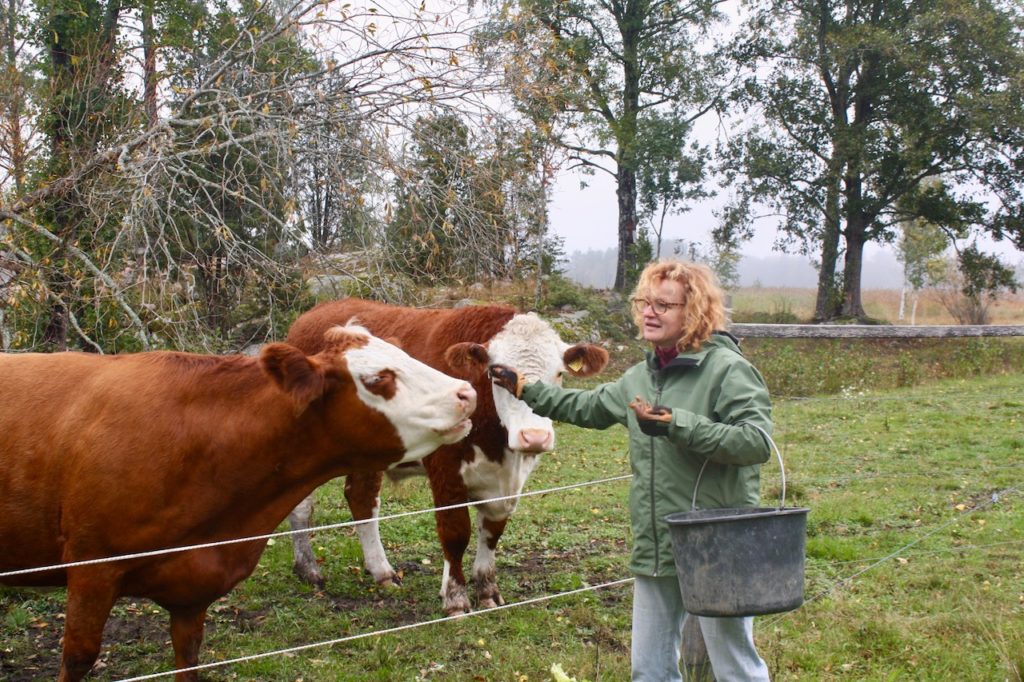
704,311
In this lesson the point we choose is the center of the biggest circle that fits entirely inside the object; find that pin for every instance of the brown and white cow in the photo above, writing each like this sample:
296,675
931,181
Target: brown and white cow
494,461
111,455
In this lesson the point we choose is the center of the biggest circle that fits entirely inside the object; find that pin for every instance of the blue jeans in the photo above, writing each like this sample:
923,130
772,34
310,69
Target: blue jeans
658,615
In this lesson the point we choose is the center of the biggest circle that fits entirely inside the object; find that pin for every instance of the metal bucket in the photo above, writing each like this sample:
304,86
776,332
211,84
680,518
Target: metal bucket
744,561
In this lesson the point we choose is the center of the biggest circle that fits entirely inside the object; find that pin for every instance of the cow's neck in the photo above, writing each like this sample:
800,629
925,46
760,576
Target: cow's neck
286,460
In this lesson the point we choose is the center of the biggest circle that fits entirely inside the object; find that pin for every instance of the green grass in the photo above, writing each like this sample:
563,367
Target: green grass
809,367
913,572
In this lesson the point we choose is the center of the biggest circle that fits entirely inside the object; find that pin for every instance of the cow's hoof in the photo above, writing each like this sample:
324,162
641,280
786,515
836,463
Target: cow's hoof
491,601
455,601
487,594
310,577
391,581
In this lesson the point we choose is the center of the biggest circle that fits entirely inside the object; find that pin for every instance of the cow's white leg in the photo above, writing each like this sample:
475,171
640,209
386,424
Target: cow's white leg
454,532
454,596
362,491
374,559
497,481
454,527
484,570
304,562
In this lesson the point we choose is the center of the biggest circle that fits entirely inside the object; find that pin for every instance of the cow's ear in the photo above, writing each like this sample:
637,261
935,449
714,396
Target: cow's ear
585,359
295,373
467,360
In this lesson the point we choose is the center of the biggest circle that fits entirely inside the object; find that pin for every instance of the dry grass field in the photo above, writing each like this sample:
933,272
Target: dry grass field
881,304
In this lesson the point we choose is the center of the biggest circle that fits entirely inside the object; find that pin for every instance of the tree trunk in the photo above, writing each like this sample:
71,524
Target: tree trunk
625,157
149,63
546,171
64,84
825,307
14,85
82,55
5,334
852,267
626,194
825,301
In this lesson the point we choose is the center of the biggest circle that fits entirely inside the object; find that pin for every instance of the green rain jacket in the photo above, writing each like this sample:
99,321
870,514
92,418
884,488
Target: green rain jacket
717,398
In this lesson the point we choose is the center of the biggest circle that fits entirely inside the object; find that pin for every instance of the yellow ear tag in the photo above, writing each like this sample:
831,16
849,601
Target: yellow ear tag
576,365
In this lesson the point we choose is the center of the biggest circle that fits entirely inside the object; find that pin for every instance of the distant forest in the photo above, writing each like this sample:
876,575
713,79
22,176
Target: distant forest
596,269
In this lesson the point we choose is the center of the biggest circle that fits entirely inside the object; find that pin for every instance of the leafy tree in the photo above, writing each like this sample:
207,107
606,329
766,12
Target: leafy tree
668,180
427,221
467,205
238,176
862,103
332,175
630,79
85,105
973,282
538,96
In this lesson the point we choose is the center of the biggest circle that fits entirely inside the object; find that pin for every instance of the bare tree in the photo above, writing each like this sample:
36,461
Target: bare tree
271,131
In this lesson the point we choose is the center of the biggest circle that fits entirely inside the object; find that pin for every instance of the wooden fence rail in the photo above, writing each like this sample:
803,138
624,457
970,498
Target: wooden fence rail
870,331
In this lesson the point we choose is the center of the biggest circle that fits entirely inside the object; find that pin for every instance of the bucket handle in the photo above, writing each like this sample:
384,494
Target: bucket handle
782,471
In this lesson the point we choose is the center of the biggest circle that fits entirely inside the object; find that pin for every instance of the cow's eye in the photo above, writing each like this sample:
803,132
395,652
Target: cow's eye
383,383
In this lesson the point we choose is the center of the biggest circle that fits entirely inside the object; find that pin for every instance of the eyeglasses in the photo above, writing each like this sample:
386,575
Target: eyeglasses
658,306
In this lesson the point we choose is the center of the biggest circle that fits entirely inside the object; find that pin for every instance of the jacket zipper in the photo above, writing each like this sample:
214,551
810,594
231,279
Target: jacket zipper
654,522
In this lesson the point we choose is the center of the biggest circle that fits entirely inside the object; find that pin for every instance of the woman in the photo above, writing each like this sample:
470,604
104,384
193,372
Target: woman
693,409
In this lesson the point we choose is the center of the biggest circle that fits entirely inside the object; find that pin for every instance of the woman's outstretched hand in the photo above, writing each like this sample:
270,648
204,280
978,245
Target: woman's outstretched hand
653,419
507,378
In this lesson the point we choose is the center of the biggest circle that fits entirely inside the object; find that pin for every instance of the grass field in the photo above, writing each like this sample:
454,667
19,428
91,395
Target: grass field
909,453
880,304
913,566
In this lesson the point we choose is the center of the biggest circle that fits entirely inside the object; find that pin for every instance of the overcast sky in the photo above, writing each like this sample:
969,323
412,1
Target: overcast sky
588,219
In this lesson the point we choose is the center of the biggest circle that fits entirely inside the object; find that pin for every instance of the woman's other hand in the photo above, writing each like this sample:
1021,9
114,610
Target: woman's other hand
653,419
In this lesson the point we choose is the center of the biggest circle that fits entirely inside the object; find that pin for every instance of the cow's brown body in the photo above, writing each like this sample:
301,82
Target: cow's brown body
102,456
454,341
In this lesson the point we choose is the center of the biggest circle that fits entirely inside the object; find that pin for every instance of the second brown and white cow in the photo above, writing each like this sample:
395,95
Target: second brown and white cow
106,456
494,461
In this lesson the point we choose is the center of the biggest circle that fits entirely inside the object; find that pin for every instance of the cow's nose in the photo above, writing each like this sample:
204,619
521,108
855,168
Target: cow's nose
535,440
466,395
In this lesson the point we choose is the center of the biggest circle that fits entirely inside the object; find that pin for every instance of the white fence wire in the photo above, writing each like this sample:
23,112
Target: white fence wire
840,583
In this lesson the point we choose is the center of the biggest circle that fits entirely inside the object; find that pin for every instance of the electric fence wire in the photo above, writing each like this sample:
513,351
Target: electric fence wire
270,536
378,633
994,499
288,533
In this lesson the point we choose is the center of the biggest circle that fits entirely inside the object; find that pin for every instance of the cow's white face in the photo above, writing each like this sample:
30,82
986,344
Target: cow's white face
427,408
535,350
